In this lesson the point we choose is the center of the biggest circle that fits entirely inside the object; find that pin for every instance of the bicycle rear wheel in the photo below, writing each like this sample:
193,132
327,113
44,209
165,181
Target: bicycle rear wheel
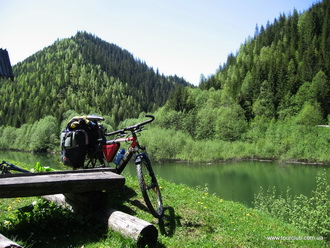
94,159
149,186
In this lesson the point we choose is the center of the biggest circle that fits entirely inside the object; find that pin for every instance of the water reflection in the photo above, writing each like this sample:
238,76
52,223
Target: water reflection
51,160
241,181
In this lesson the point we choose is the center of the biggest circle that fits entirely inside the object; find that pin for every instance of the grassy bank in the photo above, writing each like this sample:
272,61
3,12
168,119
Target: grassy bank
193,218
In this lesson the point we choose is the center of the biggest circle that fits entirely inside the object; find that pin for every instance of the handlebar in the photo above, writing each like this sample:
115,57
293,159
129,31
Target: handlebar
132,128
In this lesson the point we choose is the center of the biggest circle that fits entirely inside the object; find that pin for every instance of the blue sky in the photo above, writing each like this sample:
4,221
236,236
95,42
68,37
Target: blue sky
183,37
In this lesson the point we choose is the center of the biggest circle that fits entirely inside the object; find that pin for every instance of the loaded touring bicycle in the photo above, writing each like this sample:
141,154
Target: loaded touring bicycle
85,144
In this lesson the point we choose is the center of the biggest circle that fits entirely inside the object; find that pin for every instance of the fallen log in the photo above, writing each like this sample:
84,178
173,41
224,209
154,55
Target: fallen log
141,231
7,243
132,227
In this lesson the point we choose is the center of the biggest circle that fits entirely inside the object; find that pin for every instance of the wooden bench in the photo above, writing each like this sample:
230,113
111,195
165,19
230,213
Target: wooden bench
46,183
80,190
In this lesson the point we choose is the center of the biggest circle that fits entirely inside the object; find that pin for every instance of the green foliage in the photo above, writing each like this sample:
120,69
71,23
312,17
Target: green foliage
164,143
41,210
39,168
310,214
309,115
177,145
179,100
8,135
264,105
43,135
230,123
204,115
262,139
43,223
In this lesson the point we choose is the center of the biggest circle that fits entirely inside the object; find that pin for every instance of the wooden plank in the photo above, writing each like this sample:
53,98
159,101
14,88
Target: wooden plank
19,174
37,184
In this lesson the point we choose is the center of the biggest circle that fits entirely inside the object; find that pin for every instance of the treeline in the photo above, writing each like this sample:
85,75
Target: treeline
284,69
41,136
207,125
84,74
210,131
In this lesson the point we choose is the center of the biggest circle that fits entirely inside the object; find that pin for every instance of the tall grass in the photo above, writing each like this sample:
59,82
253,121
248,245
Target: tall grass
279,141
177,145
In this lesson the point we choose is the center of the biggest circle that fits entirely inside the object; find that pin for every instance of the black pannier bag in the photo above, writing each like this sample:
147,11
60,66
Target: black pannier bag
79,139
74,147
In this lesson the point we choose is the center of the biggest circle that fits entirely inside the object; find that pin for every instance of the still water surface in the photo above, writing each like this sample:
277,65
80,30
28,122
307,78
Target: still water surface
237,181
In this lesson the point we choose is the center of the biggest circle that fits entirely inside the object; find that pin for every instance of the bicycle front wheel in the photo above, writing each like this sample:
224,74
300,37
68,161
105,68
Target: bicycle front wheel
149,186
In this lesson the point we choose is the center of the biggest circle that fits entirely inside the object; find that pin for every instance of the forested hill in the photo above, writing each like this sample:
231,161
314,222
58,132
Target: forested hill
85,74
284,69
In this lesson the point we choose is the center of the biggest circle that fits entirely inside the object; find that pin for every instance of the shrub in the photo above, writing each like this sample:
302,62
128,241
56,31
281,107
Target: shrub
311,214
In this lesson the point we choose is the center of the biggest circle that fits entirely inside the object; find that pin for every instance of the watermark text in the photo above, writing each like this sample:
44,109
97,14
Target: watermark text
294,238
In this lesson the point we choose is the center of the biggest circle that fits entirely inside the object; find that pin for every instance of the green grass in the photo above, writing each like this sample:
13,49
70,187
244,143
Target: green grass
193,218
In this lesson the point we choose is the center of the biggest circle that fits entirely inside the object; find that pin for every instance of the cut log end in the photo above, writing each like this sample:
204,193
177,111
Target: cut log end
148,236
132,227
7,243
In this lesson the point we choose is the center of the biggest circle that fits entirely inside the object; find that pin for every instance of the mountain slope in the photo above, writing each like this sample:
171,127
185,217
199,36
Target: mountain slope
285,66
84,74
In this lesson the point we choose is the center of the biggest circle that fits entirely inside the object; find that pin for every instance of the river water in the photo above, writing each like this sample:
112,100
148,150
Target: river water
237,181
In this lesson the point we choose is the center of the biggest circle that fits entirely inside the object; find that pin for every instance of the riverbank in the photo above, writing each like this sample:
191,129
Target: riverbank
193,218
284,142
206,162
232,160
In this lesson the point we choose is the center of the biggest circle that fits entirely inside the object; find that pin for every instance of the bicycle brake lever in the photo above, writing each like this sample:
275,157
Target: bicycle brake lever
122,134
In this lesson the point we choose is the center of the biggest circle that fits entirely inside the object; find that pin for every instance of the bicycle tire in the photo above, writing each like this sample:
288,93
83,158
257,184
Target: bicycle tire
149,186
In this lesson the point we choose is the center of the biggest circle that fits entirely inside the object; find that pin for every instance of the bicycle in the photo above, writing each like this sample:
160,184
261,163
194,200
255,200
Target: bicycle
6,167
102,150
105,151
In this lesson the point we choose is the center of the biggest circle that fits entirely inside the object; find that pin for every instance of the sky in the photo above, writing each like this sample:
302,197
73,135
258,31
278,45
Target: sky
186,38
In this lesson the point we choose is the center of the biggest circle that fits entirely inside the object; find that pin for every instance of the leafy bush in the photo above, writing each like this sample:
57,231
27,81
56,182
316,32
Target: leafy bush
311,214
39,168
